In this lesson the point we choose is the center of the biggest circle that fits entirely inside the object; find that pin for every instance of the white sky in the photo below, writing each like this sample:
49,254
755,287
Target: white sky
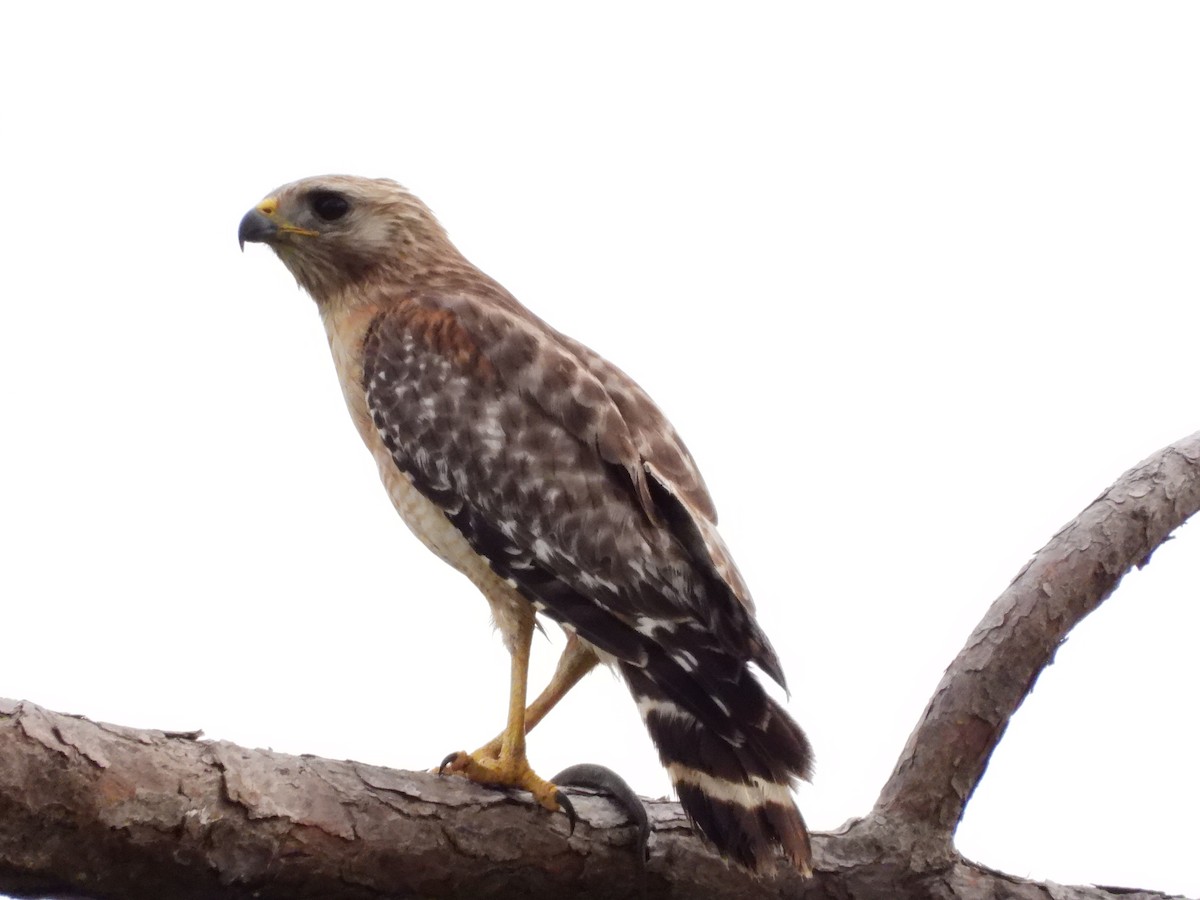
916,282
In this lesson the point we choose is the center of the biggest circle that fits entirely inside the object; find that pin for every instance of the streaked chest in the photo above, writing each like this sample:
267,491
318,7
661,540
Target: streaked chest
424,518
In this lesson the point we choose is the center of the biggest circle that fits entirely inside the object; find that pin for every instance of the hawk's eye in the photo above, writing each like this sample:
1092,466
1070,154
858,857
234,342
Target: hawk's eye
328,206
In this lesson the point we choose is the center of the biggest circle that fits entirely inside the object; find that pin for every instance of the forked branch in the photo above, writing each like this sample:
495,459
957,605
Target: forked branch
1068,578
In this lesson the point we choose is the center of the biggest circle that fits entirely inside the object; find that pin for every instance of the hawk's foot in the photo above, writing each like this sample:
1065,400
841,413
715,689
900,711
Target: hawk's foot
490,750
510,772
452,763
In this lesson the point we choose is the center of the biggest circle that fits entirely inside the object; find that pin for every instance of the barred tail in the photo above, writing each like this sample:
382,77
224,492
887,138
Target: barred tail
731,751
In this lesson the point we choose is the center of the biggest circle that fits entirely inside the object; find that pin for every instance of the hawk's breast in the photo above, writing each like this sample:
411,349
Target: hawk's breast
424,518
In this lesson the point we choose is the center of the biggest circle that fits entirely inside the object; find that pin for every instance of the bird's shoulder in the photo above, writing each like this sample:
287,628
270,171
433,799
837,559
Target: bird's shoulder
484,334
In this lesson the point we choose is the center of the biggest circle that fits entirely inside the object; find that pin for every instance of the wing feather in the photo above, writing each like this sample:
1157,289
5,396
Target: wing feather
498,421
599,405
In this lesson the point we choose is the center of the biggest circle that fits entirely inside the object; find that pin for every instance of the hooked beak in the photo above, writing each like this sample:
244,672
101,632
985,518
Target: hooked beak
263,224
256,228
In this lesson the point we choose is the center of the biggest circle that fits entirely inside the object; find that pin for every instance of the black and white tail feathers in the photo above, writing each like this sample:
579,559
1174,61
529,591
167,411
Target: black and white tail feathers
731,751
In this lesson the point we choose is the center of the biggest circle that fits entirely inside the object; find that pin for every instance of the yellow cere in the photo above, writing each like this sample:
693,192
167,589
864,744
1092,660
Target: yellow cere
270,209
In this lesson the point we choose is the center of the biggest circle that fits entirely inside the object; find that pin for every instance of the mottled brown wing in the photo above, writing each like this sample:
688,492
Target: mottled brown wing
601,406
666,461
658,444
503,427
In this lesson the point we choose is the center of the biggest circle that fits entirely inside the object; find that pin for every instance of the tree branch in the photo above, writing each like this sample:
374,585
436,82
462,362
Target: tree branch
949,750
101,811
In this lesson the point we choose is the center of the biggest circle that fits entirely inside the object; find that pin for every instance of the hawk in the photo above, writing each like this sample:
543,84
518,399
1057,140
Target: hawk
544,474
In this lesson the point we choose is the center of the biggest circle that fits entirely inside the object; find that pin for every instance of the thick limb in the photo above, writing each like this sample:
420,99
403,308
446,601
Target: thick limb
509,767
576,661
512,739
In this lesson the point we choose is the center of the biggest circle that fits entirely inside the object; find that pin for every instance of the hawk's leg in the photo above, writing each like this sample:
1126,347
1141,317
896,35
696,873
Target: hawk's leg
510,767
576,661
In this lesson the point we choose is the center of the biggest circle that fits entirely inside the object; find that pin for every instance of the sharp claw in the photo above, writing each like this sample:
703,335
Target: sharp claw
445,762
568,808
604,779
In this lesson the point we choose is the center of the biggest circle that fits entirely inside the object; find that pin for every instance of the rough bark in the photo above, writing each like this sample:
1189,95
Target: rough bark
1082,565
94,810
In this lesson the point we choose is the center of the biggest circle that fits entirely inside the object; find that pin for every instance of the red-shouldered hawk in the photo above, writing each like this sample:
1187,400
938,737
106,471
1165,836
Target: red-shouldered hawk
544,474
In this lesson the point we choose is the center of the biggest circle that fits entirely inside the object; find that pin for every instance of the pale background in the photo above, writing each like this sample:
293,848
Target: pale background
916,282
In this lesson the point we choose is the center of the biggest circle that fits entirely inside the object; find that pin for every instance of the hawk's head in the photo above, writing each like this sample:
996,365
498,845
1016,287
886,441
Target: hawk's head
336,231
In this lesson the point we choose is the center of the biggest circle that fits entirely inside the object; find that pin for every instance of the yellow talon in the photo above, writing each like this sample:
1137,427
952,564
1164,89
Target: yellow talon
511,772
